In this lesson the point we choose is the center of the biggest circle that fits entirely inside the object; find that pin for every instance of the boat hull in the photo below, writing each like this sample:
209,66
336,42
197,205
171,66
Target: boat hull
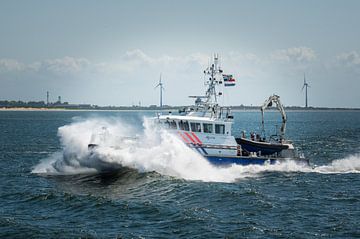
245,160
263,147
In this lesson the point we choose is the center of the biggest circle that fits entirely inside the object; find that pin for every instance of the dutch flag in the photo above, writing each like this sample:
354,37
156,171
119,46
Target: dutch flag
229,80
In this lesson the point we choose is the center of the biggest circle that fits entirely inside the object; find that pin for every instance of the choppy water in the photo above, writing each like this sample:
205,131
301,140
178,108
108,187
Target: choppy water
51,187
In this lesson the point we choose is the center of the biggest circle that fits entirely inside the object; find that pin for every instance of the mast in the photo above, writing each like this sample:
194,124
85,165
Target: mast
213,72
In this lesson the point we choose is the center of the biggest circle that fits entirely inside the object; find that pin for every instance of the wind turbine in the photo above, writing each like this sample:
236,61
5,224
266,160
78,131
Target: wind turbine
160,85
305,85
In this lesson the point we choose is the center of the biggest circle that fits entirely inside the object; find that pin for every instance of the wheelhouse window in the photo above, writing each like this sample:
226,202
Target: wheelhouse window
184,125
166,123
219,129
195,127
208,128
172,125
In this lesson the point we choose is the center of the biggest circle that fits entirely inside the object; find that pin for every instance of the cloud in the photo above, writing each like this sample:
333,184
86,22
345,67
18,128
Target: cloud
35,66
59,65
137,56
140,57
349,59
295,54
65,65
135,59
11,65
130,62
243,57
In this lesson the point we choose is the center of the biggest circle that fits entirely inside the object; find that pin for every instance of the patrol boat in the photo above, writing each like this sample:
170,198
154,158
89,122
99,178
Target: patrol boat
206,127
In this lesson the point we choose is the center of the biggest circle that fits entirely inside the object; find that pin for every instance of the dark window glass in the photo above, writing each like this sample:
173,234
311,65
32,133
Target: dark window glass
184,125
219,129
173,125
195,127
208,128
181,125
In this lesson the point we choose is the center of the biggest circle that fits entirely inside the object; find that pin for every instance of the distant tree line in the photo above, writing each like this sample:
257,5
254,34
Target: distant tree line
66,105
13,103
30,104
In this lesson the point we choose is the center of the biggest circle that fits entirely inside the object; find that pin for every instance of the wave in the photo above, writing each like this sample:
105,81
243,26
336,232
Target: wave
154,150
350,164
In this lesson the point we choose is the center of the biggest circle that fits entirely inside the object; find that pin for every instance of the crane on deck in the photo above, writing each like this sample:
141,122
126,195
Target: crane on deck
268,103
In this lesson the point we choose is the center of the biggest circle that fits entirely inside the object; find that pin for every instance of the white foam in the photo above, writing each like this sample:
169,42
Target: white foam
350,164
155,150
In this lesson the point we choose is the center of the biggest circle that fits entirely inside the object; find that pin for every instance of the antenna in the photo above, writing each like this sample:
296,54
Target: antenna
305,85
160,85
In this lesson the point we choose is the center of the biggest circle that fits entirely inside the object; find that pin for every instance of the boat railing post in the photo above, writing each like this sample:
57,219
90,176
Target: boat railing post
238,150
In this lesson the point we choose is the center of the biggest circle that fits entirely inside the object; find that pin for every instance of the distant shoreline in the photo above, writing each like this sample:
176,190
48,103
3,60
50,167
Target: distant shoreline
174,109
64,109
12,105
28,109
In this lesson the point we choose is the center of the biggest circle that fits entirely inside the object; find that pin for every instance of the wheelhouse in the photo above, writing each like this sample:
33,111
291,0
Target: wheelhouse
196,124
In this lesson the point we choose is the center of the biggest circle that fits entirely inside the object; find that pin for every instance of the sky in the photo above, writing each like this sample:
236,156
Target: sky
113,52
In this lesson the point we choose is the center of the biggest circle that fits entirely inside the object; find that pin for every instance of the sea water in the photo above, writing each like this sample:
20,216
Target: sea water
52,186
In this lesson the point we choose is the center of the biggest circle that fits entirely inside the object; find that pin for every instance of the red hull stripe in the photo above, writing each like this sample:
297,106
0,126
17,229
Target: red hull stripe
196,138
184,138
191,139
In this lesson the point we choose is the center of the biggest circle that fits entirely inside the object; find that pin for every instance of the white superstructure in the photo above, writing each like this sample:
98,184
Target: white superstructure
206,126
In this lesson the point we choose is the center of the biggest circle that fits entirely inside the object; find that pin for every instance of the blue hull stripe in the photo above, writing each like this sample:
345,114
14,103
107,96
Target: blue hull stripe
198,150
203,150
238,160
